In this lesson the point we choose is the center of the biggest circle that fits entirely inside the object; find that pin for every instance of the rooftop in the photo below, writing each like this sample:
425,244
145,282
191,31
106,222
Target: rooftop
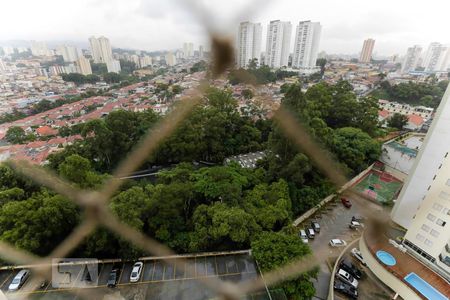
406,264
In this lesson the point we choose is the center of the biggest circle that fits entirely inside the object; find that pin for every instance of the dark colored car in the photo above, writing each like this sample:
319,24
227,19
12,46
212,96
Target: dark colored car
315,225
346,202
345,289
113,278
347,266
359,219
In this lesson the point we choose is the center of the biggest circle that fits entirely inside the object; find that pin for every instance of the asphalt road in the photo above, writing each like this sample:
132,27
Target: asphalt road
334,222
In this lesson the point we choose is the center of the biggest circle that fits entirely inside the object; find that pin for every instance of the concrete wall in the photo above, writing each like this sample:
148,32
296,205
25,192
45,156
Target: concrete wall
310,212
387,278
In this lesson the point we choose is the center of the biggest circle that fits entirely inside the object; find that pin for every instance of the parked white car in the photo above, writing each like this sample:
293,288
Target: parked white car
355,225
303,236
345,276
357,254
19,280
337,243
136,272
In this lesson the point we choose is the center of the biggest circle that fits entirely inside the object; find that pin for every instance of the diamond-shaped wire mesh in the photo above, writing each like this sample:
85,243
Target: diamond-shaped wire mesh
97,212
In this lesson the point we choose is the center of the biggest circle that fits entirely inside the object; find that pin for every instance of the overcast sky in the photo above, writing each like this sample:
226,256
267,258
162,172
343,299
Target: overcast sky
166,24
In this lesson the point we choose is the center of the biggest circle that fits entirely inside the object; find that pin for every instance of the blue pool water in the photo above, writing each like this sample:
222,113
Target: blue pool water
424,287
386,258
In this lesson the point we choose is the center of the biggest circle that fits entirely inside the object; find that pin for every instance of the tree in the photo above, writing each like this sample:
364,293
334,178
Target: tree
15,135
78,170
221,227
398,121
223,183
355,148
112,77
247,94
39,223
273,250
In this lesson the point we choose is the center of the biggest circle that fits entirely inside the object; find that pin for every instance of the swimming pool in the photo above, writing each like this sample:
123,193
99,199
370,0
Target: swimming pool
386,258
424,287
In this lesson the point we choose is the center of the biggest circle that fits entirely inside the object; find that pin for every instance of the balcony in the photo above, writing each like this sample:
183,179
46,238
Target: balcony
447,248
445,259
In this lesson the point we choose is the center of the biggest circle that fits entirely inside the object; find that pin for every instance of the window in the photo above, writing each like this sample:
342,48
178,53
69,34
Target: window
434,233
420,237
448,182
431,217
444,195
428,242
446,211
437,206
425,228
441,222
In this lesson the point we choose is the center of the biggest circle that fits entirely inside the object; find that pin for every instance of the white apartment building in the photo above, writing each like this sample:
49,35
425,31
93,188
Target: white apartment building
428,236
366,52
278,44
100,49
83,65
436,58
8,50
39,49
200,51
248,43
306,46
405,109
411,59
113,66
69,53
145,61
188,50
170,59
426,165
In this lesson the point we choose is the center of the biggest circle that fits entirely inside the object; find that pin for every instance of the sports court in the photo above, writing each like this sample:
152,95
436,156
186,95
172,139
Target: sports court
403,149
379,185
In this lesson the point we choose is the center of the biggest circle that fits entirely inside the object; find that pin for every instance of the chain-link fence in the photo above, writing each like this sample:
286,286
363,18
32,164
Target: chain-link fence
95,203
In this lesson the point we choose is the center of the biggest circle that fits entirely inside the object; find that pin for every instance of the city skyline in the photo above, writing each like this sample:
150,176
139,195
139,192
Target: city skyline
163,25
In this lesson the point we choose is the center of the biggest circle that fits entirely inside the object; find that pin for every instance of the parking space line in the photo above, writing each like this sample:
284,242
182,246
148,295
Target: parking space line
9,276
142,273
120,276
217,267
78,275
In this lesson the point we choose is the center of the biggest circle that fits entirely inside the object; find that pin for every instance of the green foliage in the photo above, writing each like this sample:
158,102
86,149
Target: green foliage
112,77
127,67
16,135
219,226
11,117
39,223
398,121
199,66
78,78
220,183
272,250
355,148
254,75
247,94
423,93
78,170
99,68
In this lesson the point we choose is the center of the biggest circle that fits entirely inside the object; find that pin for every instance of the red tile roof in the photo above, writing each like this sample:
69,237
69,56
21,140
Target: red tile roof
415,119
46,130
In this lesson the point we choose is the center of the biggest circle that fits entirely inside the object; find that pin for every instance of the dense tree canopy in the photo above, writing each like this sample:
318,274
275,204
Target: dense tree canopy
273,250
397,121
421,93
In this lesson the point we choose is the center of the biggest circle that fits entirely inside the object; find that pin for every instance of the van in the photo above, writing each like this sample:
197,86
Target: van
19,280
346,277
310,233
303,236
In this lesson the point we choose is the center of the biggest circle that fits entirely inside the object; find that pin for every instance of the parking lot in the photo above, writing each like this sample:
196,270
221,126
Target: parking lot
158,280
334,220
